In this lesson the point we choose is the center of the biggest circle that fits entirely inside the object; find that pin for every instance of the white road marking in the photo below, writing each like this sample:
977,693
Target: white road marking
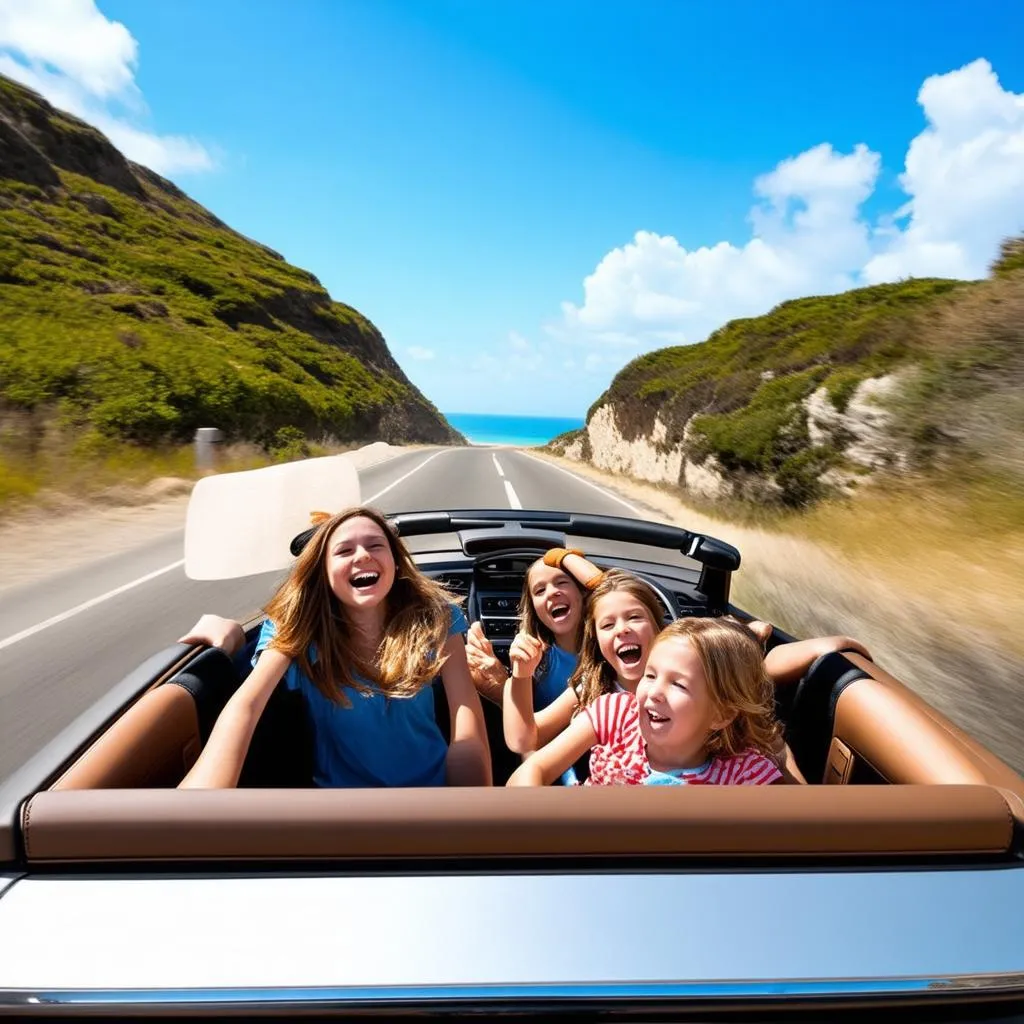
87,604
497,465
513,498
579,479
369,501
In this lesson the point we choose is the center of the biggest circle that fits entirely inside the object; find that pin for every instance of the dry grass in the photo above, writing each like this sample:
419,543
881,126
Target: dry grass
92,470
937,608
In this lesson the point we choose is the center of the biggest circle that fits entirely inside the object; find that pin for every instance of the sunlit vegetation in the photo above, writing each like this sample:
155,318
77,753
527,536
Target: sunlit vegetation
130,313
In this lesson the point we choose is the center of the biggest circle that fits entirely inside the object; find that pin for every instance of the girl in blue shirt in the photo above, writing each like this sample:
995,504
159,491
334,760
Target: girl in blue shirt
361,633
545,651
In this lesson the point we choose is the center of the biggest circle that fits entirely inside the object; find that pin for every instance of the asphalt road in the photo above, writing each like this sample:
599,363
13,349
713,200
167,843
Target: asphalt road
66,640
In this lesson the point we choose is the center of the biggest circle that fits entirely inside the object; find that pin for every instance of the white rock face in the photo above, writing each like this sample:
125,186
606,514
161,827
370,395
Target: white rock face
862,431
640,458
574,450
706,479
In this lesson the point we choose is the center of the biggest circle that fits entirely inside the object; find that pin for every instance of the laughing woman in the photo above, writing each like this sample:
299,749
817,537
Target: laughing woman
361,633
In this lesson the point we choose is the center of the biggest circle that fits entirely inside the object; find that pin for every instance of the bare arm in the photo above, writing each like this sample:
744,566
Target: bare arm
526,730
548,763
220,762
469,756
579,567
216,631
786,663
517,719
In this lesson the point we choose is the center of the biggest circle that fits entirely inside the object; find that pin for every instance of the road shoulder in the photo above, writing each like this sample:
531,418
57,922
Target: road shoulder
38,543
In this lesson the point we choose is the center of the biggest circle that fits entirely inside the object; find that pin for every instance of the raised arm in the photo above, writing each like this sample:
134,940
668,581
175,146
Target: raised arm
221,760
517,719
485,667
548,763
469,756
576,564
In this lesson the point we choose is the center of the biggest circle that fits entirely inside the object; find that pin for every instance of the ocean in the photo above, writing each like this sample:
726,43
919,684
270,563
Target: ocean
521,431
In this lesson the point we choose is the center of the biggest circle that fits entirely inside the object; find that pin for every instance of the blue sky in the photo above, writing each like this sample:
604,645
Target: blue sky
523,196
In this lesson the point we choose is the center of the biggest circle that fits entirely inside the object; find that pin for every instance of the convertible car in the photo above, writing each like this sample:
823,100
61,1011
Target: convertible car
888,882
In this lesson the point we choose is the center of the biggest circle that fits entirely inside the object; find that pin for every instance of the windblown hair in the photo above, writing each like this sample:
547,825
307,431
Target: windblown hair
309,617
738,685
593,675
529,620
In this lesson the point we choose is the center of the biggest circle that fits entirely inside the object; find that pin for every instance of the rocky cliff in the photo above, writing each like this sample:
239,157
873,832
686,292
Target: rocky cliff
824,393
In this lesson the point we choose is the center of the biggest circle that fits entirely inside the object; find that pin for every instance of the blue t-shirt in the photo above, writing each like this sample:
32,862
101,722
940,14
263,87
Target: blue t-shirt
379,740
552,676
676,777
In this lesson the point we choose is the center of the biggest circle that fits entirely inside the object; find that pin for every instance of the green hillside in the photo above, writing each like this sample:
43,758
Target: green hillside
129,312
738,397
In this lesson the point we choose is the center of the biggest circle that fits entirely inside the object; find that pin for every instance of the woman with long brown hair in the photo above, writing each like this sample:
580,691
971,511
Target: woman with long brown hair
361,633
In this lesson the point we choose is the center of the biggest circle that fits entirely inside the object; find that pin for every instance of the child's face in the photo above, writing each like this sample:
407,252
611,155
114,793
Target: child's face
360,566
624,634
677,714
556,599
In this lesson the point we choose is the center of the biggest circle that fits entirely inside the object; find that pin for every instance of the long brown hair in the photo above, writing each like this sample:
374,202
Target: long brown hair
593,675
309,616
738,685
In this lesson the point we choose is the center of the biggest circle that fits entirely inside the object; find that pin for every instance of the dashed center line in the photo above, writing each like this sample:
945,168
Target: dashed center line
497,465
513,498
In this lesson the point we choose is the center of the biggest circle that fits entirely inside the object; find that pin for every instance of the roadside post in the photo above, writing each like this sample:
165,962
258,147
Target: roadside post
207,446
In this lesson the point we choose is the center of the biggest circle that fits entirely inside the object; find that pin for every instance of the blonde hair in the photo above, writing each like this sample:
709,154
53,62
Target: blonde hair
593,675
738,685
309,616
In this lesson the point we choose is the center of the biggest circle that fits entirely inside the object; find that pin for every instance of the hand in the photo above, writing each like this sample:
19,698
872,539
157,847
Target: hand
216,631
484,664
525,654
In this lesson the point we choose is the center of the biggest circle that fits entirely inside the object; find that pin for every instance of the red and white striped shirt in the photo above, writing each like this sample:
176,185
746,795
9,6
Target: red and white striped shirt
620,757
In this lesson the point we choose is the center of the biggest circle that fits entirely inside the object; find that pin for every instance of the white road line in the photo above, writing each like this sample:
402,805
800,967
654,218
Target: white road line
497,465
513,498
369,501
579,479
86,605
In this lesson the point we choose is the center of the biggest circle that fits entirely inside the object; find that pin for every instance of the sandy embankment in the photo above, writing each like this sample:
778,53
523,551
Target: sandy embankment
970,673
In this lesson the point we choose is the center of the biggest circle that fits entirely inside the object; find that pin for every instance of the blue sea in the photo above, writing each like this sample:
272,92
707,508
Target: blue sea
521,431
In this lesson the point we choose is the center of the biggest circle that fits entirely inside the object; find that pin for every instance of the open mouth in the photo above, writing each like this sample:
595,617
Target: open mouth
629,654
364,580
653,717
559,612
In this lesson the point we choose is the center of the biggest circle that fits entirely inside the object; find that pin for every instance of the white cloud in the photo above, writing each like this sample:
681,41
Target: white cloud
420,353
85,64
965,181
965,177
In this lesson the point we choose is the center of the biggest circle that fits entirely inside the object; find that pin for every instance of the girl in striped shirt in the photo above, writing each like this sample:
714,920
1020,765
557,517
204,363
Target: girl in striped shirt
701,715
